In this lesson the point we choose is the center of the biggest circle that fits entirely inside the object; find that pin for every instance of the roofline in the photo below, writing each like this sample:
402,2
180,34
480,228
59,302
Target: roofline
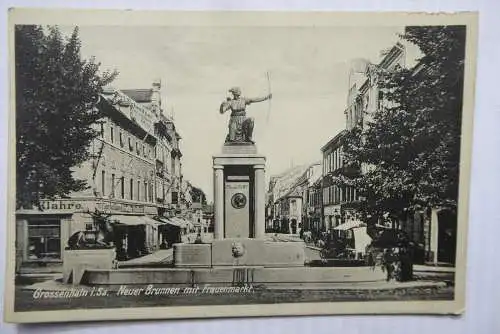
364,86
334,139
396,49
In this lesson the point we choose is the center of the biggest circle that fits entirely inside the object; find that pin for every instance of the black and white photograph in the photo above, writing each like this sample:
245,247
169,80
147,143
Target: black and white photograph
186,165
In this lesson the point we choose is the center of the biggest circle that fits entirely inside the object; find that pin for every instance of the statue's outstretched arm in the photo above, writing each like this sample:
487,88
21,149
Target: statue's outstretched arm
258,99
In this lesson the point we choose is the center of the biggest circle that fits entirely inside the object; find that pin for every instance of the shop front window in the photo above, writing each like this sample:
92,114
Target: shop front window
44,239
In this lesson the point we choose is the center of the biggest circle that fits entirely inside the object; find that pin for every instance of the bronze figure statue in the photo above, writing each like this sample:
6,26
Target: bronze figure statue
240,126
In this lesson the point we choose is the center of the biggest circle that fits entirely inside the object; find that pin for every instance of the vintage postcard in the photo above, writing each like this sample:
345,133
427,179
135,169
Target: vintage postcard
221,164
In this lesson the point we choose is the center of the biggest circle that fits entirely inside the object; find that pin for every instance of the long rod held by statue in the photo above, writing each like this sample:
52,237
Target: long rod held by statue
269,93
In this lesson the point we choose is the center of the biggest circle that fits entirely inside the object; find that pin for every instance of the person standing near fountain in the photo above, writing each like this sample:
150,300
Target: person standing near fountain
240,128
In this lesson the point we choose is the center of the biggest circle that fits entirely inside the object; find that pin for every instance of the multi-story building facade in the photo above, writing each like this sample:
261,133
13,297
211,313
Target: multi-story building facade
364,98
339,203
272,222
433,231
127,179
166,151
315,206
175,170
185,200
303,184
163,157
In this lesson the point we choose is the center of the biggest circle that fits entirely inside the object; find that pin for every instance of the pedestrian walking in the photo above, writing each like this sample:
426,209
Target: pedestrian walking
388,263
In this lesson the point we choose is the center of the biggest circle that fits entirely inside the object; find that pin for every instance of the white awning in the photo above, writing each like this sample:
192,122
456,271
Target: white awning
361,239
169,221
151,221
134,220
179,222
127,220
350,225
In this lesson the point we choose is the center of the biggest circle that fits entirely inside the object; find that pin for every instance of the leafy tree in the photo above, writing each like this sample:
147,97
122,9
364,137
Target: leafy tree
56,97
410,150
198,195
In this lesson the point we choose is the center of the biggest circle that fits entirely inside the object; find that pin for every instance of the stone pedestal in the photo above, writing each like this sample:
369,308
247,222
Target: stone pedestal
76,262
239,192
239,226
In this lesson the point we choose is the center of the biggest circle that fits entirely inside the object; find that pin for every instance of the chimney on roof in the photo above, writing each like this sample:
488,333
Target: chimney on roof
156,95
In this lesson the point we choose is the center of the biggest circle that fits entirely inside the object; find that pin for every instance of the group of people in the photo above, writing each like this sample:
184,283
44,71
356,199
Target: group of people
397,264
323,239
395,261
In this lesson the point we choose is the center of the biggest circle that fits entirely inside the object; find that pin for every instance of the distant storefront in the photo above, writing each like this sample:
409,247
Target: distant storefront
331,216
314,220
42,235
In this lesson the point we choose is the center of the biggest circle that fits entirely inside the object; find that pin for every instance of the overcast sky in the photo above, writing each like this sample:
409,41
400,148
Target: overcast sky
197,65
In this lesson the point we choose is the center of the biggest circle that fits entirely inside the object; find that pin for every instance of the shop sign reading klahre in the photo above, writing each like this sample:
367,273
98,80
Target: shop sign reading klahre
73,205
61,205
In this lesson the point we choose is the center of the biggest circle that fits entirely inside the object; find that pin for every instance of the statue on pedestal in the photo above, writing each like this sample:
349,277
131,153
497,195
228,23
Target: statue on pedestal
240,127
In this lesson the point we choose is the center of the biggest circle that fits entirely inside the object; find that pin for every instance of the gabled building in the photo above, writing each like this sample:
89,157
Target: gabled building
289,193
280,186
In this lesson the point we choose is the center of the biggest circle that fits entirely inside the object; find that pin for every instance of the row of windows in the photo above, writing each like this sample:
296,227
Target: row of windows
142,149
354,114
126,188
332,161
134,144
135,190
355,111
314,199
335,195
162,153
